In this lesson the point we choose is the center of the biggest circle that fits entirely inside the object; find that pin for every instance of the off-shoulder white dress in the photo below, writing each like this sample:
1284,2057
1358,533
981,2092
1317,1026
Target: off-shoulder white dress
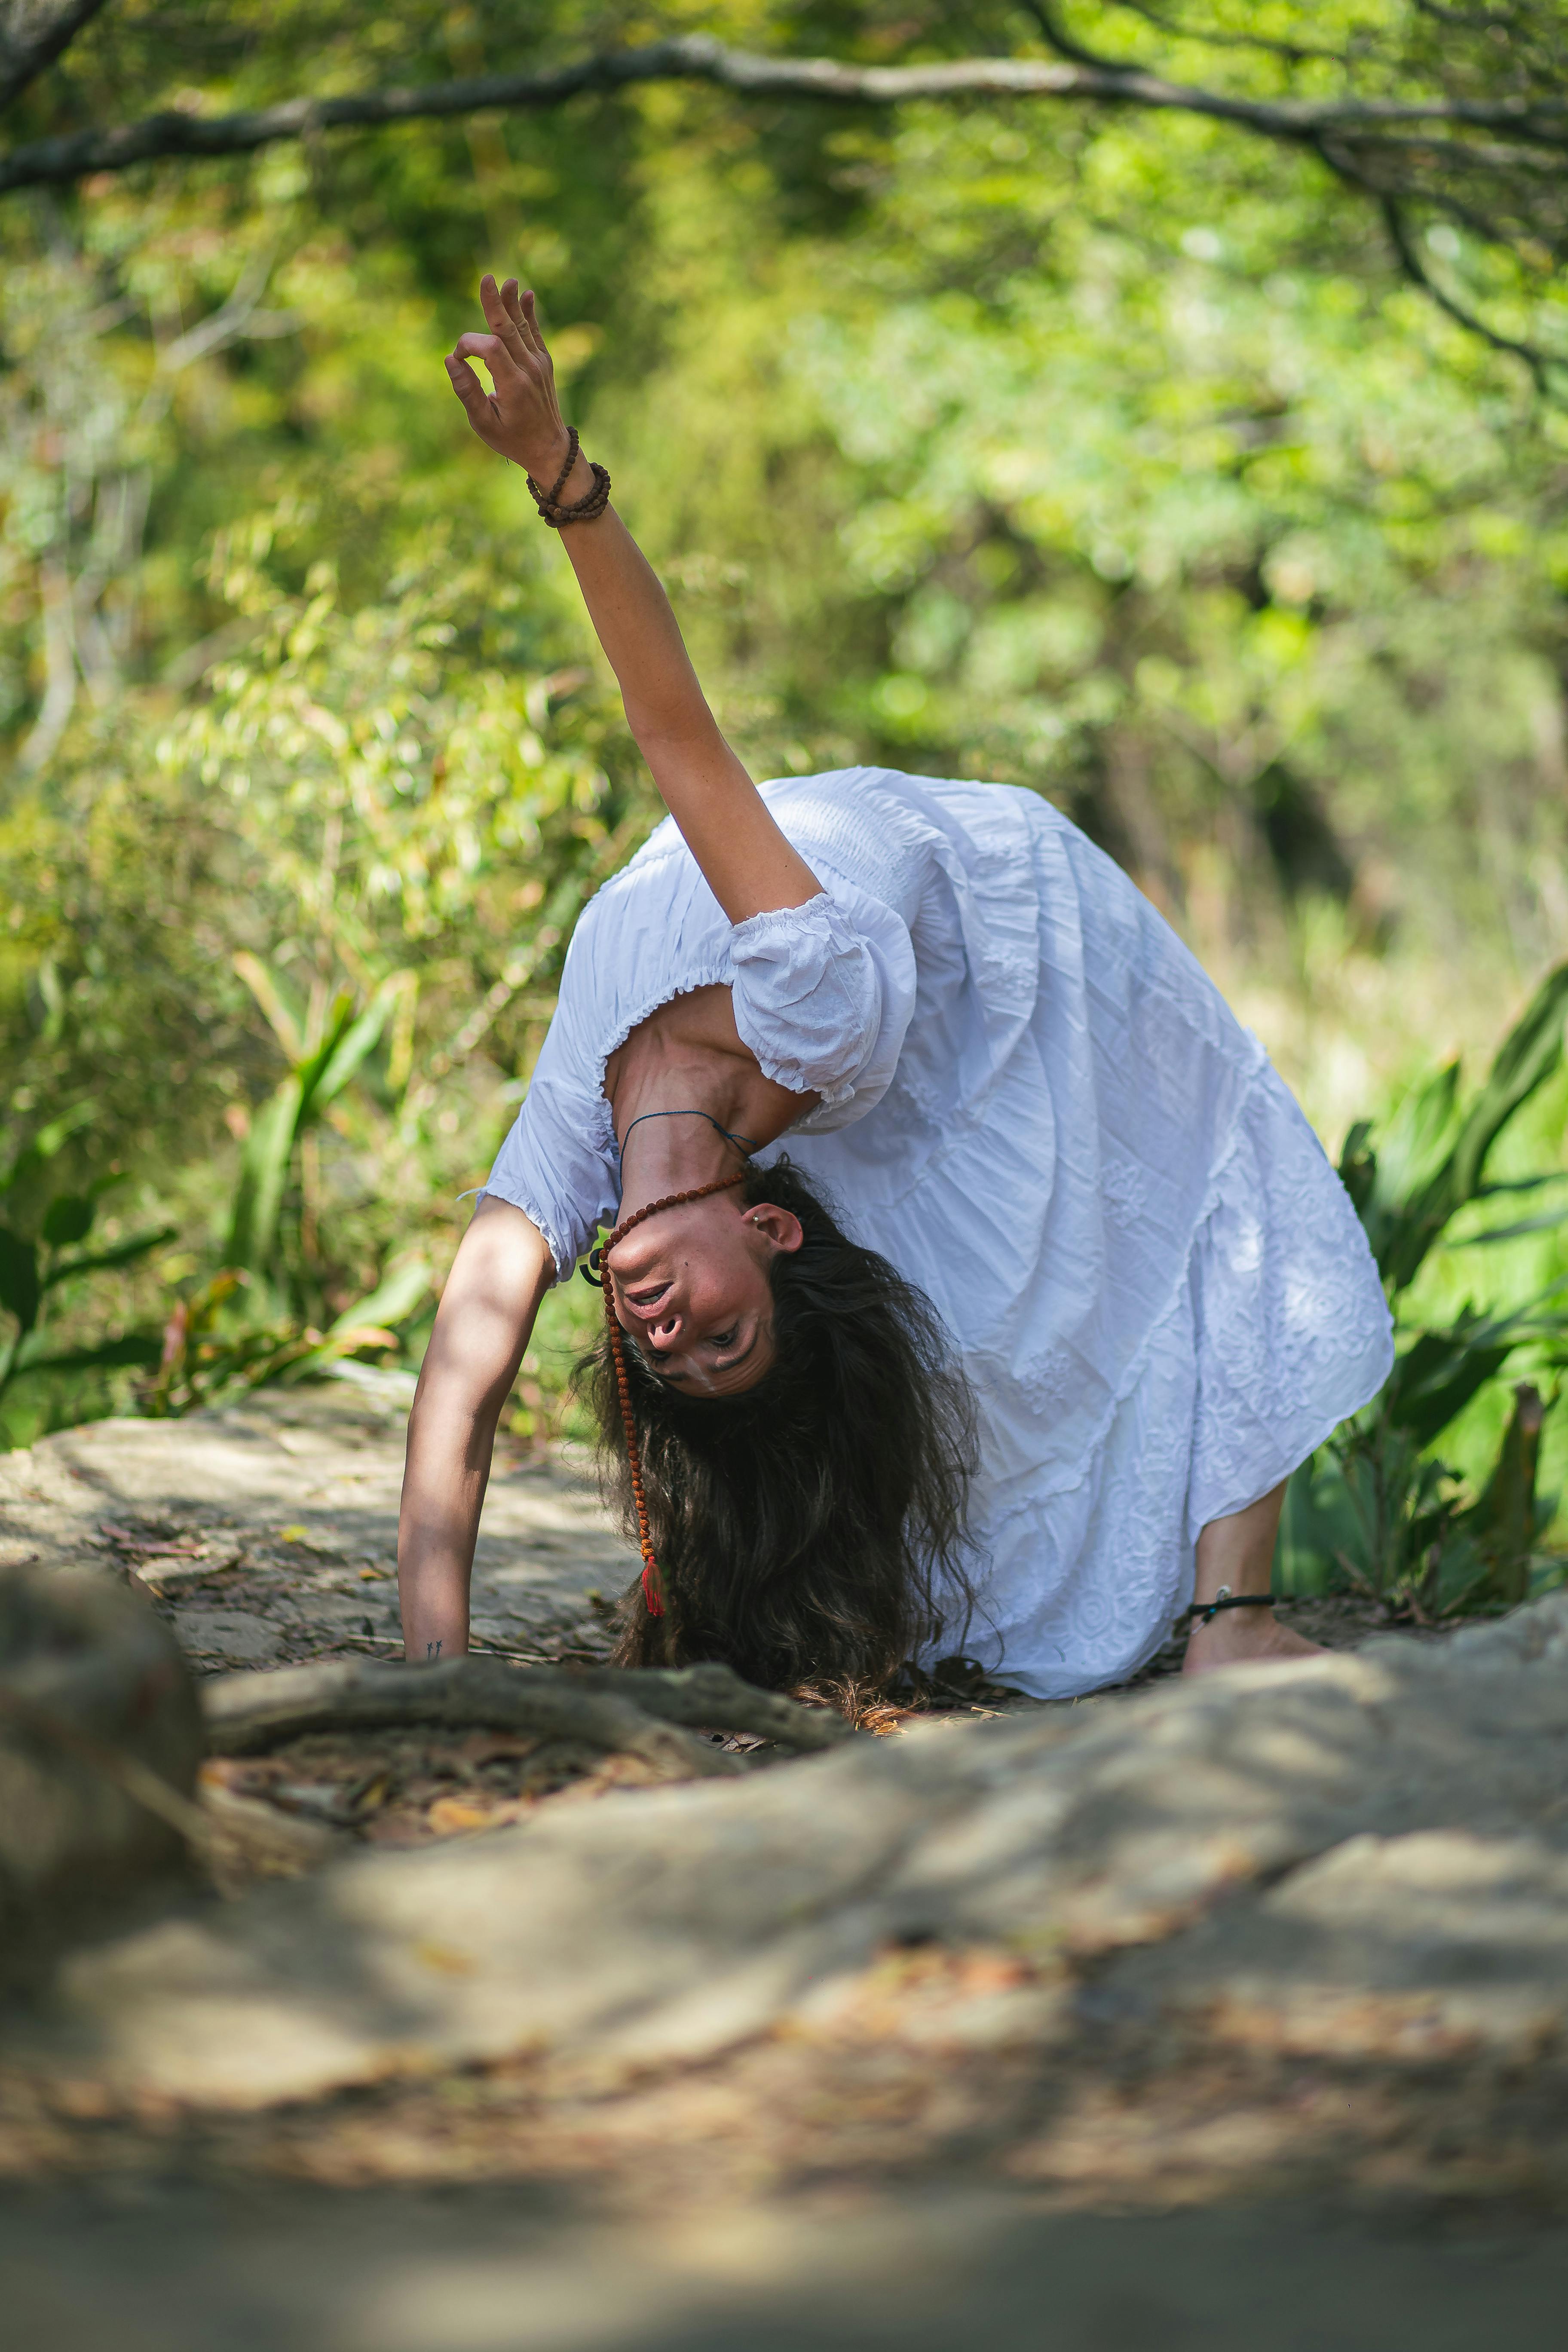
1035,1103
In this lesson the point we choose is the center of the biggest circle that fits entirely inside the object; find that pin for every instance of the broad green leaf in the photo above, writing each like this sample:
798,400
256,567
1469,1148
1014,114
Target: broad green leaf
263,1171
48,1140
272,994
392,1301
316,1359
68,1219
1528,1056
123,1253
1520,1184
1435,1380
1320,1530
1358,1173
310,1070
293,1107
1437,1375
1510,1233
1415,1140
20,1289
136,1349
1460,1576
352,1043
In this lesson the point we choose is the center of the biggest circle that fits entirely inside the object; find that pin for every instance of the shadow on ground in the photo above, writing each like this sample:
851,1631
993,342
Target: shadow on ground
181,2269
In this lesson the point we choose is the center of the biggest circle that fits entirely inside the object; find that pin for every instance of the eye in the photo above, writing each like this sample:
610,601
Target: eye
722,1339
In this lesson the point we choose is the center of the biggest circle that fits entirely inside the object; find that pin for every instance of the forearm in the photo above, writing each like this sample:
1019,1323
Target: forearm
451,1439
500,1274
633,623
744,856
746,859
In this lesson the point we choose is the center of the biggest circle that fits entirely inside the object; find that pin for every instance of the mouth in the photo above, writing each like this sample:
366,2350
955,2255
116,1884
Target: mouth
646,1299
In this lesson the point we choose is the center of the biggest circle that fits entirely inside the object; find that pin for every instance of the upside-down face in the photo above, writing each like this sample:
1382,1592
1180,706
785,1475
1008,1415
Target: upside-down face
691,1289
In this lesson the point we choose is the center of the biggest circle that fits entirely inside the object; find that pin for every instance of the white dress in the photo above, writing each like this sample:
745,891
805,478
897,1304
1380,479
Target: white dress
1035,1103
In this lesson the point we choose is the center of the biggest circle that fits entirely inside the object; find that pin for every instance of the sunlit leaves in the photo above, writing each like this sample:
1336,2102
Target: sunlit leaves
381,767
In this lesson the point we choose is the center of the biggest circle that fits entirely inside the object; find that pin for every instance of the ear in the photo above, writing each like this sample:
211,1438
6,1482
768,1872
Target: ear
780,1228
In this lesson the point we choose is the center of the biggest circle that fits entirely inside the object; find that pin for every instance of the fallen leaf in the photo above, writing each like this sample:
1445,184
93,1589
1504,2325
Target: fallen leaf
450,1816
370,1797
442,1957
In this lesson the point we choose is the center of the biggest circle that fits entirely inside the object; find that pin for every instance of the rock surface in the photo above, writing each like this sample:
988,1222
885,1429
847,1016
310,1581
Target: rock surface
844,2051
100,1737
1366,1852
269,1529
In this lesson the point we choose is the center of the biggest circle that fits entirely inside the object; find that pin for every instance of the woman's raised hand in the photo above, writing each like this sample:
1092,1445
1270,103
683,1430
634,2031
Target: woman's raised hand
520,418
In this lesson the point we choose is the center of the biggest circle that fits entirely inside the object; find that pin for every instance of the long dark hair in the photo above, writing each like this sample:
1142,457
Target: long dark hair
810,1531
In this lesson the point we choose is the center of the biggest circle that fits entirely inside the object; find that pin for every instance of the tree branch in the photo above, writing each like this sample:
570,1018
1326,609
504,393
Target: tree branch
33,34
1415,269
1056,37
1346,135
1294,52
58,160
1465,20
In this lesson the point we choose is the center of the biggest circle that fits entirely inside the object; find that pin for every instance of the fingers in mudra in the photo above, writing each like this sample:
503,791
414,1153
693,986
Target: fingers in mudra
520,417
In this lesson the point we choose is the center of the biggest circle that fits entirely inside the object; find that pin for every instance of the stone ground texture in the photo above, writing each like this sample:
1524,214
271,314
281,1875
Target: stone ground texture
269,1529
846,2044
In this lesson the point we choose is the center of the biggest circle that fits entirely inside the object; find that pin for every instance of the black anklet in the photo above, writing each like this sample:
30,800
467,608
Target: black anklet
1206,1612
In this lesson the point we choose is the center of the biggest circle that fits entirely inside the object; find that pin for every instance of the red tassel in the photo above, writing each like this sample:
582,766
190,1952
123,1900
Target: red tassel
651,1593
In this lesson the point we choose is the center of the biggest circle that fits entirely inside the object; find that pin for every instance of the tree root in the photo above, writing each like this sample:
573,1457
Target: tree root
633,1713
713,1695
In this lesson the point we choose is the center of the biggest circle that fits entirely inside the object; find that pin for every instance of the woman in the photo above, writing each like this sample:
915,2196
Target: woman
1015,1349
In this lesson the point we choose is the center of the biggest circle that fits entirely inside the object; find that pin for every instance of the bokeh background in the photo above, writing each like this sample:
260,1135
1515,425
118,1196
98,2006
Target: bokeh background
1104,451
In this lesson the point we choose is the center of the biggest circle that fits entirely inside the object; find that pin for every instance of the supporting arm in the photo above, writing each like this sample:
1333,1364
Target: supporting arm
486,1314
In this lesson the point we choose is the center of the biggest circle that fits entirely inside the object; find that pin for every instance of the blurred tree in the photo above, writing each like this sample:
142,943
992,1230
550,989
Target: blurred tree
1098,444
1433,113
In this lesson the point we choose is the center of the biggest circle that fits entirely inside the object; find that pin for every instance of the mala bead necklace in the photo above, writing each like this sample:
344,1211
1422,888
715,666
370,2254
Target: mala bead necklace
586,509
652,1589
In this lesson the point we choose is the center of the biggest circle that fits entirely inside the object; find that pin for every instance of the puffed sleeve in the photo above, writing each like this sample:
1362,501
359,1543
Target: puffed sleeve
823,996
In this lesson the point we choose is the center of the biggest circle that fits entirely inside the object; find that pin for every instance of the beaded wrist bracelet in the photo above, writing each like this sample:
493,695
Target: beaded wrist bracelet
551,509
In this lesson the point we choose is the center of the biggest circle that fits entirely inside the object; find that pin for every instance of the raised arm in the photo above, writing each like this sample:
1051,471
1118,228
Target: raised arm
749,865
499,1276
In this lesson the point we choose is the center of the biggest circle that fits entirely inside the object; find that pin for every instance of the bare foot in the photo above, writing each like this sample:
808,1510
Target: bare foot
1240,1637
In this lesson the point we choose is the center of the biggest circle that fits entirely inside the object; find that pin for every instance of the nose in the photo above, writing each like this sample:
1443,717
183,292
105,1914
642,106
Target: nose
664,1329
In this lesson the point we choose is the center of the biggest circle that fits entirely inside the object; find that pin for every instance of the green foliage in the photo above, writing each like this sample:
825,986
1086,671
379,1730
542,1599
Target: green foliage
216,1341
33,1268
325,1065
1405,1212
1377,1506
1105,453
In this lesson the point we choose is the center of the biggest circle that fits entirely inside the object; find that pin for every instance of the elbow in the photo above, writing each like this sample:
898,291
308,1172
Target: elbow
459,1397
